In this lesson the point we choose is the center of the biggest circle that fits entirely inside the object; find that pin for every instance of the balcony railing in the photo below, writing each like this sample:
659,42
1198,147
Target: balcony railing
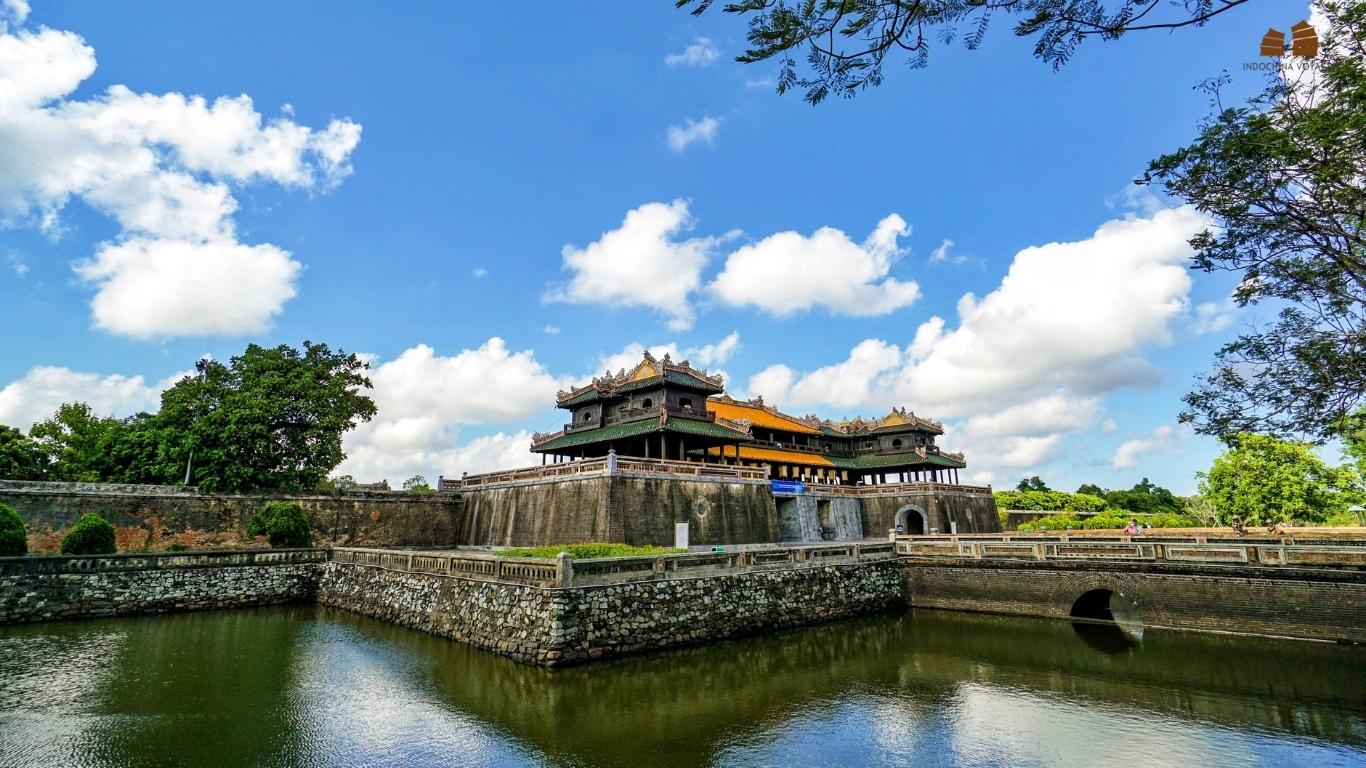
605,466
639,414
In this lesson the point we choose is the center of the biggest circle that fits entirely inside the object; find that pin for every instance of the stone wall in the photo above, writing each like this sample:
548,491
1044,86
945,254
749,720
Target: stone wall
53,588
1318,604
361,519
973,513
554,627
635,510
640,509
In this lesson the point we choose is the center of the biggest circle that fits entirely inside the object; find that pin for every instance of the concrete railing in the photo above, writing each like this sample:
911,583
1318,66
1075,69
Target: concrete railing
605,467
898,489
1204,551
565,571
134,561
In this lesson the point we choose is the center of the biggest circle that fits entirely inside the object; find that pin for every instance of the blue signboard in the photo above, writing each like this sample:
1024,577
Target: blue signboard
787,486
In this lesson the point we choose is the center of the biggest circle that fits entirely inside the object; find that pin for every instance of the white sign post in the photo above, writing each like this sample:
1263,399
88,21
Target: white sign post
681,535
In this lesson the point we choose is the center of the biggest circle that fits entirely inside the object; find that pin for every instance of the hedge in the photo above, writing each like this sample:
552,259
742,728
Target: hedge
13,537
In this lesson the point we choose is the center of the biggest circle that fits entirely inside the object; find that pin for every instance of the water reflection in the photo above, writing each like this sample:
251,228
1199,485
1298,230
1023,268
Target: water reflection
313,687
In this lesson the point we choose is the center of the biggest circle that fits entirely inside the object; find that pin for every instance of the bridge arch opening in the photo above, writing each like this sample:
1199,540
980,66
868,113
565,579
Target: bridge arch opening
1111,607
911,521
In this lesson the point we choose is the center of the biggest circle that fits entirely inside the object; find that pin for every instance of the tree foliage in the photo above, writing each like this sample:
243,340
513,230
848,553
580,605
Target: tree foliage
72,440
1145,499
91,535
21,458
284,523
13,535
1032,484
845,42
1049,501
1284,180
1263,480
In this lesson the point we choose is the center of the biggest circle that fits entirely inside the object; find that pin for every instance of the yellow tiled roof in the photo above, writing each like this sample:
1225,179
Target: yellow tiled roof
749,453
759,416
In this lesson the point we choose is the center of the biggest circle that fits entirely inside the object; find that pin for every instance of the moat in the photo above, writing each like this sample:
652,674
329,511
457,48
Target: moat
309,686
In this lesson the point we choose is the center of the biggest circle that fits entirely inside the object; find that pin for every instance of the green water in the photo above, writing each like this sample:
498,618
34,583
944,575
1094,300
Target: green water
305,686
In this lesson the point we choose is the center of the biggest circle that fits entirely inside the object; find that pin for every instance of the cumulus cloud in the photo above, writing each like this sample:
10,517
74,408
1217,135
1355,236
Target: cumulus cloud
43,389
690,131
1164,439
788,272
1032,360
1212,316
163,167
700,53
642,263
941,253
707,356
424,400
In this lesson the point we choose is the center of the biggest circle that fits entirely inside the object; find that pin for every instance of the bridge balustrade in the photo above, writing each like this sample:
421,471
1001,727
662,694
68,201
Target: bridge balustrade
1194,550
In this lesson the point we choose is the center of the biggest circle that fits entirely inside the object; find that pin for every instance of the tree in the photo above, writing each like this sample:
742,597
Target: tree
1091,489
269,419
1145,498
416,484
21,458
1032,484
1262,480
72,441
91,535
1284,181
847,41
285,523
13,535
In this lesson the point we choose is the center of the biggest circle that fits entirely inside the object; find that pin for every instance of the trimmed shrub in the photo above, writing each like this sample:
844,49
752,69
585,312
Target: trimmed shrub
284,523
91,535
13,537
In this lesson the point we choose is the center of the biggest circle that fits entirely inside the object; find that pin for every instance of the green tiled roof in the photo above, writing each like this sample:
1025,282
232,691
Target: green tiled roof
641,427
585,396
878,461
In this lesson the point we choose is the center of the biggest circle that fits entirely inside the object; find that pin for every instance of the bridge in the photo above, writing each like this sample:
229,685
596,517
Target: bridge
1306,588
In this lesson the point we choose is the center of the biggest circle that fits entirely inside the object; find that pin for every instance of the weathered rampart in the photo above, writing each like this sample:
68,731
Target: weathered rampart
362,519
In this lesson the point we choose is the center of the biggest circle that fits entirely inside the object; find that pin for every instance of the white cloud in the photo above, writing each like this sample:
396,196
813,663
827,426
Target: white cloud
705,356
16,10
700,53
689,131
43,389
1032,360
479,272
941,253
148,286
760,82
1212,317
552,330
163,167
424,400
1164,439
788,272
642,263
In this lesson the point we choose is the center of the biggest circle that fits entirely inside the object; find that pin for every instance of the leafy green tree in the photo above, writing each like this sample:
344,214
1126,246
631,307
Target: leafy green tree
1091,489
21,458
845,42
272,418
91,535
1263,480
416,484
1032,484
284,522
13,535
72,440
1145,498
1283,180
139,449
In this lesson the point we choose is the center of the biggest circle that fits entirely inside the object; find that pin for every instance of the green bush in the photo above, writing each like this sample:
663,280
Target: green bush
1049,501
588,551
91,535
284,523
13,537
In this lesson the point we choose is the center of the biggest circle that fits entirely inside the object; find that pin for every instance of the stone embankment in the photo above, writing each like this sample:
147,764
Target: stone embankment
565,612
82,587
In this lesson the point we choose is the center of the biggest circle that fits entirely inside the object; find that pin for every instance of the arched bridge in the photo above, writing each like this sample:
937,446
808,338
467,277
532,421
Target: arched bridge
1311,589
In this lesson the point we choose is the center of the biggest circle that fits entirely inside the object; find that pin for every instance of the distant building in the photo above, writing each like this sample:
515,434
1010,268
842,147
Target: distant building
672,411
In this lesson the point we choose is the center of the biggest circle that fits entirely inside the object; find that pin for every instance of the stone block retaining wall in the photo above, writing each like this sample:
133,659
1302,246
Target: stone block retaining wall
53,588
554,627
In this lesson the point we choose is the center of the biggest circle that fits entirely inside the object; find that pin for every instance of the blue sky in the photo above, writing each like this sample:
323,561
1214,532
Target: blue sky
487,200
